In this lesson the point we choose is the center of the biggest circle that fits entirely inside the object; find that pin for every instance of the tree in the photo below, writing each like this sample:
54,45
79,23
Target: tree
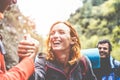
101,20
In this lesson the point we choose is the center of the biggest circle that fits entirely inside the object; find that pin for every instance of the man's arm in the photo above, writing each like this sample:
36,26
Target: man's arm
23,70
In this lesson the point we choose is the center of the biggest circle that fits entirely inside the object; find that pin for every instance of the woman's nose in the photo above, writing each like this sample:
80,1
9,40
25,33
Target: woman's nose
56,34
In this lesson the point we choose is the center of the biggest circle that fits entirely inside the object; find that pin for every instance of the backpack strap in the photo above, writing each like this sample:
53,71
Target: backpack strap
83,65
113,61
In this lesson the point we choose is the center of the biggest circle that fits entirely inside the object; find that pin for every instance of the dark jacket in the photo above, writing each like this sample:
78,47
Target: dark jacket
109,70
51,70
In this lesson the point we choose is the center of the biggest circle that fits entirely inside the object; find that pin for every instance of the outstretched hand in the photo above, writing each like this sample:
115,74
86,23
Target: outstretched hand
28,47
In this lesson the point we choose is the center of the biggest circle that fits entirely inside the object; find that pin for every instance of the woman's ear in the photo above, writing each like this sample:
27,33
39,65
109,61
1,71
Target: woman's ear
73,40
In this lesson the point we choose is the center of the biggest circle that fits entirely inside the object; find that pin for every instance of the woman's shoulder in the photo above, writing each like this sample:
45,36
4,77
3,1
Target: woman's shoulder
84,59
40,57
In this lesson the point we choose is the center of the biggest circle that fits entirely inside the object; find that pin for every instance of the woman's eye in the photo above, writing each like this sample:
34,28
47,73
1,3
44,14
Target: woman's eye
62,32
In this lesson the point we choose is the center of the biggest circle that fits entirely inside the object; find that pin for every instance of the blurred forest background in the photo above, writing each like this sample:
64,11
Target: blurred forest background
96,20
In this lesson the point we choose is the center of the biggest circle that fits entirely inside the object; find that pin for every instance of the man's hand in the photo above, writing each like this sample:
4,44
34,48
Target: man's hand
28,47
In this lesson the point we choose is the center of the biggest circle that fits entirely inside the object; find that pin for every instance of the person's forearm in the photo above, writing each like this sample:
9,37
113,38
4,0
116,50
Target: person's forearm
21,71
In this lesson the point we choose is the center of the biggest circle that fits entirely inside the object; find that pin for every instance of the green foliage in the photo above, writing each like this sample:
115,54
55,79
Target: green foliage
88,43
116,52
98,20
116,35
97,2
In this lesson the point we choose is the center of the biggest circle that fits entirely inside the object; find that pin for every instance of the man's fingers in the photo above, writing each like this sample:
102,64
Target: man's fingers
28,47
21,55
25,42
24,51
20,47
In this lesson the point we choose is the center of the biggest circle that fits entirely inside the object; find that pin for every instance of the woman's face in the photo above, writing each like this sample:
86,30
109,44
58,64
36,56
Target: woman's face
60,38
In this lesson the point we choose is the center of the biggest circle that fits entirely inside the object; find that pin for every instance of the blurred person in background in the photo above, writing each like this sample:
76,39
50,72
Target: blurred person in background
109,67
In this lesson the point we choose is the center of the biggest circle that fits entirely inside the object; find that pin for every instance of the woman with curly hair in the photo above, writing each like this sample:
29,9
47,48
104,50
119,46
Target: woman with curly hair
63,60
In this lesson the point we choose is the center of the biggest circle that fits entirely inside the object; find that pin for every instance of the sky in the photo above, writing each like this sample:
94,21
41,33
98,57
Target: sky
46,12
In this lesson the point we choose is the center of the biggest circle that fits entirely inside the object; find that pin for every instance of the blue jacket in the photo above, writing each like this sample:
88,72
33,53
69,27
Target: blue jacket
50,70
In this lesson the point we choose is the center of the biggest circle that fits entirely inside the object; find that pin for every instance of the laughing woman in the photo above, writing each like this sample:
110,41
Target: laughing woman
63,60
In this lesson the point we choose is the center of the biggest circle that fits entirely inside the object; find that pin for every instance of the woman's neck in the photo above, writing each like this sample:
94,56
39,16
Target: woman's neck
62,57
